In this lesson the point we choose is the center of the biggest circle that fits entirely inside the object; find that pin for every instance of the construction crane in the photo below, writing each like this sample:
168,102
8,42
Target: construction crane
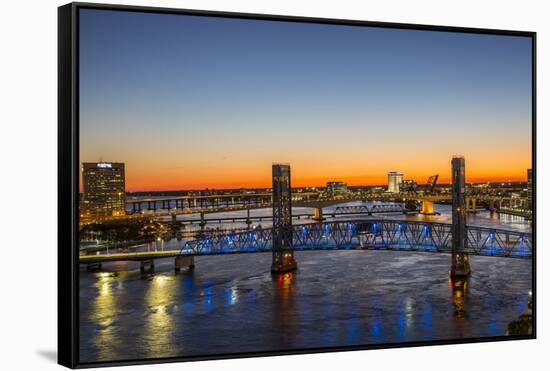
432,181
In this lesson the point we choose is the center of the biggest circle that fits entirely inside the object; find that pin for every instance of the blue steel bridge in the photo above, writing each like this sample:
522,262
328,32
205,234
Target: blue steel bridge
372,234
383,234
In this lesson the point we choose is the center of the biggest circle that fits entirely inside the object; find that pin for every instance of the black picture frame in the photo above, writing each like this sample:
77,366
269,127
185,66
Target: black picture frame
68,178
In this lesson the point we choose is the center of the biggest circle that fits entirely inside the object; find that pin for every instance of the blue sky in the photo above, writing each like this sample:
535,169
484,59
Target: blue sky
202,95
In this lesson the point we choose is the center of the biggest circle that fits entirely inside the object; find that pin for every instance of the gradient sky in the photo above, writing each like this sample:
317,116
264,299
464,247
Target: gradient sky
192,102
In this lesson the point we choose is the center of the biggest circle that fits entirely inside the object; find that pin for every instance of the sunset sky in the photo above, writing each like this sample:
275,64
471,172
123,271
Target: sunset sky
191,102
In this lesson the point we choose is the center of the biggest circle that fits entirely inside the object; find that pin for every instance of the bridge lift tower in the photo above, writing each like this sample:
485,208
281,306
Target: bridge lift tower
283,255
460,263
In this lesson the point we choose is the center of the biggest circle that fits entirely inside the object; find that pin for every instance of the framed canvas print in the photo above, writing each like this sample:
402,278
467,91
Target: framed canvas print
236,185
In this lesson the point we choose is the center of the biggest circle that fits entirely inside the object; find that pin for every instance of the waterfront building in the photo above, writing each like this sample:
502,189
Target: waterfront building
336,188
104,189
408,185
394,181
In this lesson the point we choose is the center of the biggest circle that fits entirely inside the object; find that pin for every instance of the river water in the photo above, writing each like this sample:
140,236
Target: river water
233,304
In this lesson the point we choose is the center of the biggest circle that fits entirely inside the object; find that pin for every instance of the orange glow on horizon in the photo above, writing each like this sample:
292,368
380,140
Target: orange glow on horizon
297,182
187,173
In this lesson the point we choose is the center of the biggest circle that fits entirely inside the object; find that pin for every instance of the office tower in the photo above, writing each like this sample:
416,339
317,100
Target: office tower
104,189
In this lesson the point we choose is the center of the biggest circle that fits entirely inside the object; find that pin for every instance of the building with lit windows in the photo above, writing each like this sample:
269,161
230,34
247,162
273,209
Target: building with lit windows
408,185
336,188
394,181
104,189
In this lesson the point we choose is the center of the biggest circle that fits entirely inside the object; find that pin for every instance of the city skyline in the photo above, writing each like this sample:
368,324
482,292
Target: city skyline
385,182
212,104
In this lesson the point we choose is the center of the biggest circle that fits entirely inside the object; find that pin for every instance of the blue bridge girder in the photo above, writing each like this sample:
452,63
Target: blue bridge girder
370,234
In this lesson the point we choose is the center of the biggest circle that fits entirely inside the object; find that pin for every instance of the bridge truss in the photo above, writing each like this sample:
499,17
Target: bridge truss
365,209
372,234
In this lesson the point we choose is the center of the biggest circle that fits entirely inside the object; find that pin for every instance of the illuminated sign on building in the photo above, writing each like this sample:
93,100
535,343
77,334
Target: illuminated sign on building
104,165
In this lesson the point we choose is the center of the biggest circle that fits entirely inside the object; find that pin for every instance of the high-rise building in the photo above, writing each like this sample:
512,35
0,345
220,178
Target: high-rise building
104,189
394,180
530,189
336,188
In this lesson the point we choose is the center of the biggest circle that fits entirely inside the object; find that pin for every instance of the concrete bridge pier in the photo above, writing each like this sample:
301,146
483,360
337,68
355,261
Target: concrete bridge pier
202,223
471,205
184,261
283,261
147,266
318,214
427,208
174,223
248,220
460,265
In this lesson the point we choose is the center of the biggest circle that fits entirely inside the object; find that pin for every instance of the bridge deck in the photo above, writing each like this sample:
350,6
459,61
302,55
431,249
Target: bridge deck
129,256
104,258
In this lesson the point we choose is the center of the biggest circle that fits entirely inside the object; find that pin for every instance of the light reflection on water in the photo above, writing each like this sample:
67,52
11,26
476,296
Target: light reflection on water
159,319
233,303
103,314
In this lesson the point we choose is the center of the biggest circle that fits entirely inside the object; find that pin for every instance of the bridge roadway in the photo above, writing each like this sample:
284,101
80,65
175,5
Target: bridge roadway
382,234
163,207
305,199
376,209
339,211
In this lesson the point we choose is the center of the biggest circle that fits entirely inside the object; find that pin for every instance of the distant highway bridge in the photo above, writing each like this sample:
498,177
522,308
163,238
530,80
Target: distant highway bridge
339,211
185,205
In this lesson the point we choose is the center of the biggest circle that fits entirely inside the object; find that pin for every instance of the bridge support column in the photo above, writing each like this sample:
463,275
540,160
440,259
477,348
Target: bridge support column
318,214
147,266
283,255
184,262
427,208
248,220
202,223
460,262
471,205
